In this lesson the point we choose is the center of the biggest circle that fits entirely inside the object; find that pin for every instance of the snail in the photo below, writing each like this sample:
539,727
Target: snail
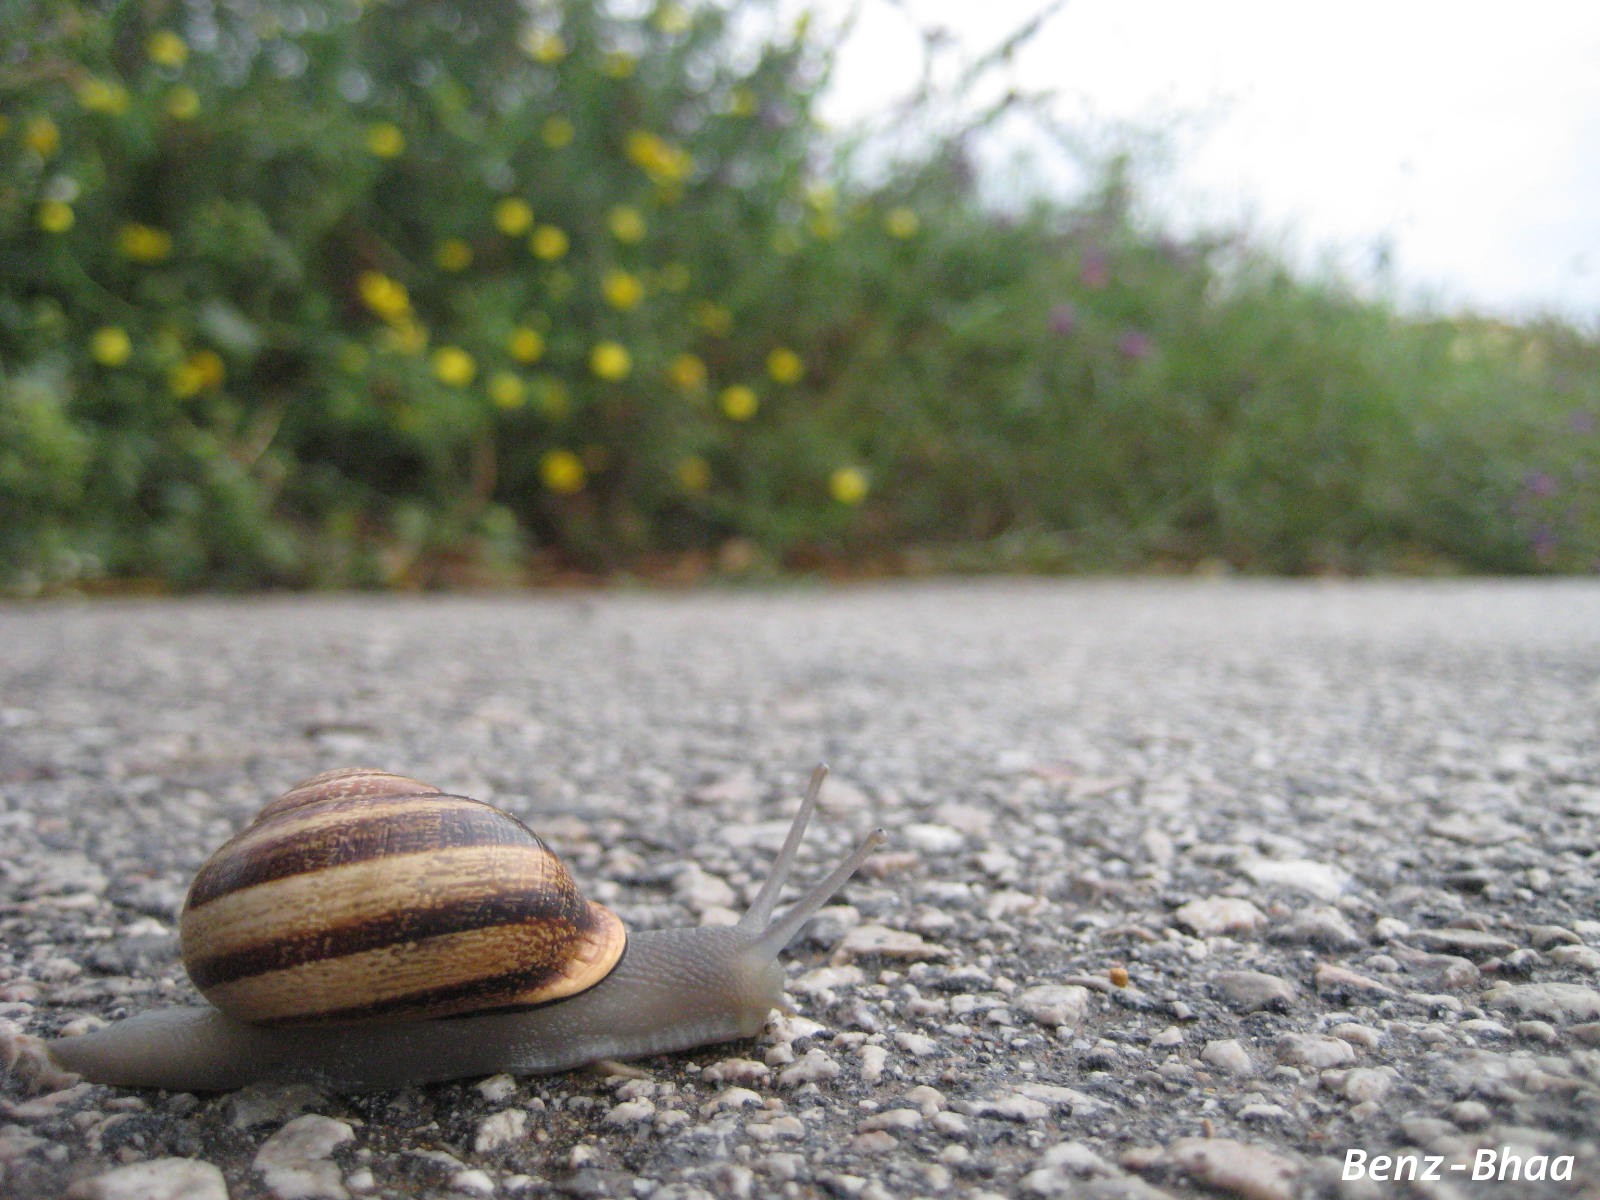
369,931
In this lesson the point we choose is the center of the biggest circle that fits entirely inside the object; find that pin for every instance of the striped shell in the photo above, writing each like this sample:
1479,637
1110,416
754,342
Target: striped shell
360,895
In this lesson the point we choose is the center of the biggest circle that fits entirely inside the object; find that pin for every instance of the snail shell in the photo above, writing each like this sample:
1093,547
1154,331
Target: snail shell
360,895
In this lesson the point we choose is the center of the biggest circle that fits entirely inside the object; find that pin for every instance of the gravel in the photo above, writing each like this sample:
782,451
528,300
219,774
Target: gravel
1192,887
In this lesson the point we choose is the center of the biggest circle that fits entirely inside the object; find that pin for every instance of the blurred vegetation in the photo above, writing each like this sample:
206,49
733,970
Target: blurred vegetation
419,293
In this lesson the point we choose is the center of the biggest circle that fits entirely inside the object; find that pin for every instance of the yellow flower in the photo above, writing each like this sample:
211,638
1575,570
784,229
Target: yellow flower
610,361
525,345
507,390
453,254
103,96
454,366
627,225
687,372
713,318
42,137
406,335
384,296
622,290
823,226
562,471
385,140
143,243
110,346
557,132
848,485
902,223
694,473
513,216
544,47
618,64
548,242
785,366
672,19
201,371
742,102
56,216
657,157
166,48
739,403
183,103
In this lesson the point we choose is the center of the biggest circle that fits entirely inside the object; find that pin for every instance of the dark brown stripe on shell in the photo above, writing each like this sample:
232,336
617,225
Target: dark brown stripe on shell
492,994
377,827
552,908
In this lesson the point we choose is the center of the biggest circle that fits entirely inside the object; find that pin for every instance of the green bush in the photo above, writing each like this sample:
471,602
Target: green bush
407,293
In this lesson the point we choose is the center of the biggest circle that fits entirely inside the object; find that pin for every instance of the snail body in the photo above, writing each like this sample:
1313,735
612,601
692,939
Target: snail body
338,991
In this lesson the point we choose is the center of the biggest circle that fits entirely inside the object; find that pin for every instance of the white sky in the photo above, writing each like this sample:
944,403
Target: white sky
1467,133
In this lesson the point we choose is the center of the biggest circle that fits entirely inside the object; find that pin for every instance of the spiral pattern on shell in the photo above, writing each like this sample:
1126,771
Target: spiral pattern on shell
362,895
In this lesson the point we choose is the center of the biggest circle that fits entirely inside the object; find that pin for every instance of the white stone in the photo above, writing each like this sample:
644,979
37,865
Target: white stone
1226,1054
873,1060
158,1179
1217,915
1314,1050
883,942
1236,1168
736,1070
473,1182
1054,1004
1252,991
932,839
813,1067
496,1088
1321,880
500,1129
894,1119
729,1098
1561,1002
1585,958
632,1112
918,1045
295,1162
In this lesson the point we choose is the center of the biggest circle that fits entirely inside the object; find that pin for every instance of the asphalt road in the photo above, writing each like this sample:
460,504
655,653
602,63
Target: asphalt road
1191,886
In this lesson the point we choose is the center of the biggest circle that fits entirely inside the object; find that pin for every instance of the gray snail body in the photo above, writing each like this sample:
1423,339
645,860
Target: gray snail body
664,991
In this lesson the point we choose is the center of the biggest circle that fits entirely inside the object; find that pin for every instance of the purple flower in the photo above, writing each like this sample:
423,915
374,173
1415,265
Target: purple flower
1096,271
1136,344
1544,544
1063,319
1539,483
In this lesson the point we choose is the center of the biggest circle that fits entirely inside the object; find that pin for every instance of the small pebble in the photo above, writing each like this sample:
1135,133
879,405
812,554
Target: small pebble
879,941
1468,943
1218,915
1314,1050
1238,1168
1559,1002
1226,1054
500,1129
157,1179
1254,991
1052,1004
813,1067
1321,880
639,1112
295,1163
